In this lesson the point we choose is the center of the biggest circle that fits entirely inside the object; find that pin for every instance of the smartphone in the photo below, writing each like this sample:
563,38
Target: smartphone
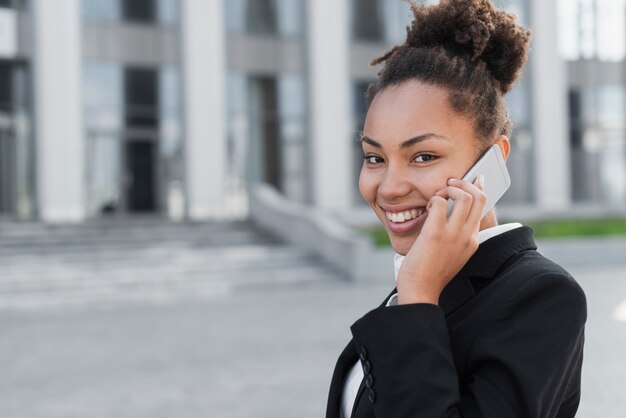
497,180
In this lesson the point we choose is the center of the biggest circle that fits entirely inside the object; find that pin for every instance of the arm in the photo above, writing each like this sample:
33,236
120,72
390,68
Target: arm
521,364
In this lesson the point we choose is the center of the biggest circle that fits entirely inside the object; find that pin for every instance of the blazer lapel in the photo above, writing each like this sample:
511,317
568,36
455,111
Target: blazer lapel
486,262
490,258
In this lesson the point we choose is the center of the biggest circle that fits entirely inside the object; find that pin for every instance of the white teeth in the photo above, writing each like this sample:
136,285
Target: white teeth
400,217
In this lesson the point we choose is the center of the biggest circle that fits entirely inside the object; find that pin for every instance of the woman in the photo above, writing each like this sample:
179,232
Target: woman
480,324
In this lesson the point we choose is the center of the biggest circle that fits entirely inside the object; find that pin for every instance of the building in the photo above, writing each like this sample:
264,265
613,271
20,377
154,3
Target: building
173,108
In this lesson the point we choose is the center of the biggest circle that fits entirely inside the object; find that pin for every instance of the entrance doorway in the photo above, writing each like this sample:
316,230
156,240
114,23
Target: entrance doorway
7,171
141,176
123,174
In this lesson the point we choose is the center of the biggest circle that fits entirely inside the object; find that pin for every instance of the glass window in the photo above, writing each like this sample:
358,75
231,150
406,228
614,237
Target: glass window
141,97
168,11
101,9
261,17
367,18
139,10
235,13
592,29
165,12
611,108
171,145
103,174
238,142
517,103
7,166
359,111
266,17
397,15
290,17
598,144
265,135
102,89
169,108
292,119
6,83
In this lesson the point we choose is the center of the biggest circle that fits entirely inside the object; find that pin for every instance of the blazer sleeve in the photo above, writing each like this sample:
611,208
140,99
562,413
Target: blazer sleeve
523,363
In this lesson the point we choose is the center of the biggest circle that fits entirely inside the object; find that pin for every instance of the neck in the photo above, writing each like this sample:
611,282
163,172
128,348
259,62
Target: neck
489,220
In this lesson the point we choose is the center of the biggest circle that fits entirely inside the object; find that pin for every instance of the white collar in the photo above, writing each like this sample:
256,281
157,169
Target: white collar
483,236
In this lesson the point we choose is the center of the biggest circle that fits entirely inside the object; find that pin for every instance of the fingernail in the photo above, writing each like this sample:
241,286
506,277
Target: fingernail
452,180
481,181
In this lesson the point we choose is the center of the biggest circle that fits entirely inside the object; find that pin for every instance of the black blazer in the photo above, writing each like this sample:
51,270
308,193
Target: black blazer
506,340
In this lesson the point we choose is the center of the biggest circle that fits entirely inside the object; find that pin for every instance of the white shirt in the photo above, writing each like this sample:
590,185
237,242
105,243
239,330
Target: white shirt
353,381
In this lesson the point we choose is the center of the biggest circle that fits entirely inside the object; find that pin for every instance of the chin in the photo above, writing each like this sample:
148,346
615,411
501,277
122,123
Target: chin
401,245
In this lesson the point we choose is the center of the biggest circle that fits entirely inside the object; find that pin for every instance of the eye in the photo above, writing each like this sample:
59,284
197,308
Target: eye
424,158
372,159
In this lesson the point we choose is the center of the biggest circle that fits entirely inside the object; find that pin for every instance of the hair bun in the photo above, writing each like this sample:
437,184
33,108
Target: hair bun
475,30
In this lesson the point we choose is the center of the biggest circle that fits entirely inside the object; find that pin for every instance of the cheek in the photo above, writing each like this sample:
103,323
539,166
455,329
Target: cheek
430,182
367,186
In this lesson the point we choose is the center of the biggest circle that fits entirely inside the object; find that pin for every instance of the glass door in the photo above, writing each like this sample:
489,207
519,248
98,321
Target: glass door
7,170
141,175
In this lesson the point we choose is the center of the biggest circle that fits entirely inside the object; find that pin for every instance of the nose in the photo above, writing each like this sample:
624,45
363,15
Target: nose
395,184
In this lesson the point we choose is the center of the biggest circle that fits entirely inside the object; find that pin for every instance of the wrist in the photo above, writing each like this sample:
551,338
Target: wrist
412,295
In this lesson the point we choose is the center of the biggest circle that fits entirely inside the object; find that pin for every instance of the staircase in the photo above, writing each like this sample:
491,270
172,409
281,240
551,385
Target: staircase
143,261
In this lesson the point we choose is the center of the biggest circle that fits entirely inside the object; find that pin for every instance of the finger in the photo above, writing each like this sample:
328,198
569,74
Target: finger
479,198
437,208
462,203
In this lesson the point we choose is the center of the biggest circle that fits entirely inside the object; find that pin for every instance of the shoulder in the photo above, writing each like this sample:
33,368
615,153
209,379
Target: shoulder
538,284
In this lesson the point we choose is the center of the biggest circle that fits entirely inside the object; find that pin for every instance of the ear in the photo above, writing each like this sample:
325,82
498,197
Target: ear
505,146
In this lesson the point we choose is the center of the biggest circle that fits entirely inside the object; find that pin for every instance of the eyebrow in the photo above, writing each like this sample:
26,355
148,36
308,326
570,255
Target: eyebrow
406,144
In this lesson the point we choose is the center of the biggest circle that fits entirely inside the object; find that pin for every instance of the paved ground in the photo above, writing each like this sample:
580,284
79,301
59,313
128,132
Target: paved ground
259,352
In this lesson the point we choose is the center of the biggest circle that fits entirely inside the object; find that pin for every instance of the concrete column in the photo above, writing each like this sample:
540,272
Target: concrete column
549,110
204,76
329,92
58,110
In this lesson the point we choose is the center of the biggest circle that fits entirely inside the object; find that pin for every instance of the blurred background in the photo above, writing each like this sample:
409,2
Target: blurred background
179,196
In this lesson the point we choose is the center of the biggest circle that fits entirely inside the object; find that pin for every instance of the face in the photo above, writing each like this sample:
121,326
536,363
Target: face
413,142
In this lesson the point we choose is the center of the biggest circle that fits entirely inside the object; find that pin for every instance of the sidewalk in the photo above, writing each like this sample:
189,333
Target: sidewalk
260,352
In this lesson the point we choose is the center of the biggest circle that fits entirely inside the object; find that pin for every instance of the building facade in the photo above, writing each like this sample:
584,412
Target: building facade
174,108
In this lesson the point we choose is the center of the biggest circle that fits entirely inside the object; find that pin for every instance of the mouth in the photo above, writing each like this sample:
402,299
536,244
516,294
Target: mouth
405,221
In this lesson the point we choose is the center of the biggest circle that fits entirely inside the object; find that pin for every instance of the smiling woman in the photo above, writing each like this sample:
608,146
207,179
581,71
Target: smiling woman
479,324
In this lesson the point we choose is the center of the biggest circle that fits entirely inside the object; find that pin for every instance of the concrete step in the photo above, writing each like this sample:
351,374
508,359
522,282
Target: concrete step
161,288
45,265
153,256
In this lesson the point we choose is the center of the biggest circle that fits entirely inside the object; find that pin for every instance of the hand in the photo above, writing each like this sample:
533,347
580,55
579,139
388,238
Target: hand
444,244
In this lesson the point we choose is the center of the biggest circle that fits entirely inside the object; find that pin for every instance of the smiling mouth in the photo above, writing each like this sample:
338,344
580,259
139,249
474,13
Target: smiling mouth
404,216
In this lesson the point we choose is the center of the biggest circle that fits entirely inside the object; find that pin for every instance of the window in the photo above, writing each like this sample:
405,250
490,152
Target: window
592,29
367,20
101,9
598,145
141,97
139,10
359,89
266,17
6,91
261,17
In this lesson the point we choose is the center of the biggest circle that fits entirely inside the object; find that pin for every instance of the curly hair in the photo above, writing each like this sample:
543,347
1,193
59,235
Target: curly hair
466,47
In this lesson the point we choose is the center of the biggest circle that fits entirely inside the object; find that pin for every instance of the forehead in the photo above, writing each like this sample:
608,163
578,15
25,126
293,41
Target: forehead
411,109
